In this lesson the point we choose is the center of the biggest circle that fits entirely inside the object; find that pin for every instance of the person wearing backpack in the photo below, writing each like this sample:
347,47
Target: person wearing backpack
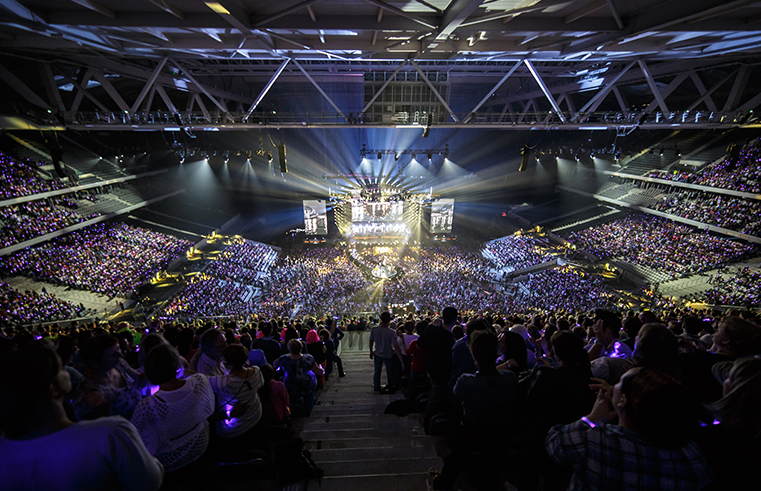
299,374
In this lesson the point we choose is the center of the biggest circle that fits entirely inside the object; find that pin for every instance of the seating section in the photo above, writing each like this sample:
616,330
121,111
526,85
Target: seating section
654,242
20,178
31,307
515,252
112,259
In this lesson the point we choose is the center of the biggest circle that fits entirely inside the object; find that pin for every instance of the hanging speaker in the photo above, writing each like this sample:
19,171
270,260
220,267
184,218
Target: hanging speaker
281,157
524,158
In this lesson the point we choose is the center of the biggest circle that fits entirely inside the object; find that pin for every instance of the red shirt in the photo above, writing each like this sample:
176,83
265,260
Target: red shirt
418,357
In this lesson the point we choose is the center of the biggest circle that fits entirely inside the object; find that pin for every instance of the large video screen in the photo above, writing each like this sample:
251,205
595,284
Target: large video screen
315,217
442,213
375,211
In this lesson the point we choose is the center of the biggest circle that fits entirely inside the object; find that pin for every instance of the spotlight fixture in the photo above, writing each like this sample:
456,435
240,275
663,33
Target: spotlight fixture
413,156
396,157
380,155
269,157
426,131
430,155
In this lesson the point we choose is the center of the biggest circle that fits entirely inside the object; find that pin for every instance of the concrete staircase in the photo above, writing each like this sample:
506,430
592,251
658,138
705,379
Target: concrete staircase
358,446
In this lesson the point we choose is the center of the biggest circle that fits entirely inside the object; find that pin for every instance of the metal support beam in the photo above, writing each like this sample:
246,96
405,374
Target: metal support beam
668,90
454,15
616,16
169,8
528,105
707,95
319,89
544,88
149,100
621,101
51,87
111,91
167,101
595,101
737,88
703,92
200,87
398,11
233,13
653,87
435,92
288,11
493,90
383,87
9,78
751,104
266,89
82,91
200,103
149,84
584,11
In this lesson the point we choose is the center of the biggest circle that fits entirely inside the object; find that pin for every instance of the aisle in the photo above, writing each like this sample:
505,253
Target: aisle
358,446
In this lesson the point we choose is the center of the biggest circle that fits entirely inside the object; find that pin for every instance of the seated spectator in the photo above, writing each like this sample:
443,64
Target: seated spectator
238,389
299,374
43,449
733,339
274,397
489,401
732,443
173,422
330,355
208,359
110,387
554,396
513,352
648,447
606,328
462,360
265,343
654,347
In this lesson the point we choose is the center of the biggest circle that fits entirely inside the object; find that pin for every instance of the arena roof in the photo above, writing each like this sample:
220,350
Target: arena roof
530,56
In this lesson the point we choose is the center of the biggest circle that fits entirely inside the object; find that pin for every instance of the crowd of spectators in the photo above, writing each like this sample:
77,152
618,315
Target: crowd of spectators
567,397
111,259
660,244
302,282
515,252
30,307
20,178
19,223
741,215
559,288
743,175
741,288
209,296
243,261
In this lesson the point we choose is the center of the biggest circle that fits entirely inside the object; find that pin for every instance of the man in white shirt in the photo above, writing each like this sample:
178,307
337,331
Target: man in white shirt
385,342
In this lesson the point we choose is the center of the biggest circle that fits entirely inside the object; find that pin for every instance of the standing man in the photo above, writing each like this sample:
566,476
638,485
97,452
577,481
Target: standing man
385,342
437,340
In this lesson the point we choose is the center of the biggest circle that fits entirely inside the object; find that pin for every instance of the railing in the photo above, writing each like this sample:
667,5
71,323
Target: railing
214,121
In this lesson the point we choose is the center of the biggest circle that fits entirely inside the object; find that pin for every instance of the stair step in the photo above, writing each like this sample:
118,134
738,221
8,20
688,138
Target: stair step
396,466
371,453
376,482
398,442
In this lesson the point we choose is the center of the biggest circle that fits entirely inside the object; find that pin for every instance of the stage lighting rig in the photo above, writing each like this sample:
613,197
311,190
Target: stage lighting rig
397,153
